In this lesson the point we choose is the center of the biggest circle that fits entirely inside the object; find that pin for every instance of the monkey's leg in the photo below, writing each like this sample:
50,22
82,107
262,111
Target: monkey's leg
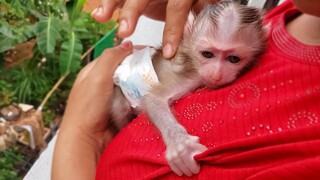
121,113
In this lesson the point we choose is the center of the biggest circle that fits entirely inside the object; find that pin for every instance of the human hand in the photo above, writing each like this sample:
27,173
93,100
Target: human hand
84,130
90,98
174,12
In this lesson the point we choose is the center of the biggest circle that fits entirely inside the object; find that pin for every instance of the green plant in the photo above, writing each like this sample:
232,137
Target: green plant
48,115
32,82
6,95
62,32
16,24
8,159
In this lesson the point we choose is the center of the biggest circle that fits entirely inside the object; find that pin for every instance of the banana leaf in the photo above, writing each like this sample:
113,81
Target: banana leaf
74,9
70,55
47,34
7,40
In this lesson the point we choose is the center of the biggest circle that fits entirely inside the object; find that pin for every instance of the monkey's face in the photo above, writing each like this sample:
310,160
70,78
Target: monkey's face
221,59
225,40
219,64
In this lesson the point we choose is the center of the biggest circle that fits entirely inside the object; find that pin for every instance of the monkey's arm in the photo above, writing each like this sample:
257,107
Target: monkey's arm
181,146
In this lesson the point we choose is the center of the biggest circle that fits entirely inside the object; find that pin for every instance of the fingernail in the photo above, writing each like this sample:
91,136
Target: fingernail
123,26
127,45
96,11
168,50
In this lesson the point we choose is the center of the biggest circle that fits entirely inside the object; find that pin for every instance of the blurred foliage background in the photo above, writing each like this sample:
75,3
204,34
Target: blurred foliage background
40,42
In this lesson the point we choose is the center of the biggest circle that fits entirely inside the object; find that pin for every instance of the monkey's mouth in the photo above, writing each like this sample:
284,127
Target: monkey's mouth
212,84
215,84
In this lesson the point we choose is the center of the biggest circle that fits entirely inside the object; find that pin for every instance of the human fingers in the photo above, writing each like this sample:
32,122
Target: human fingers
84,72
94,87
199,4
156,10
177,13
176,16
129,16
103,70
106,9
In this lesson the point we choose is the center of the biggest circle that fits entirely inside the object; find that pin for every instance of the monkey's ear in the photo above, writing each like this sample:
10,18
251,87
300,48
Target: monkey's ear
266,29
189,25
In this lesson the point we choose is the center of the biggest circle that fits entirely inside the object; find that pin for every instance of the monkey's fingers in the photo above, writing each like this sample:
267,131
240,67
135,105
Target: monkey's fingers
175,166
183,164
180,156
187,164
189,160
175,160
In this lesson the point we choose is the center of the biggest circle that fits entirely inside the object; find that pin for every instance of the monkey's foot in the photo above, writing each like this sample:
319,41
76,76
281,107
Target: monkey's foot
180,152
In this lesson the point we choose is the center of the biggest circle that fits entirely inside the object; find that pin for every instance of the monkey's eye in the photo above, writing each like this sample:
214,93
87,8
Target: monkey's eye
233,59
207,54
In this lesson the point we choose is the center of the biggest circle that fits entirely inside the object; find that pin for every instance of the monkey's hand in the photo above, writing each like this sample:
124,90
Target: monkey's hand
180,152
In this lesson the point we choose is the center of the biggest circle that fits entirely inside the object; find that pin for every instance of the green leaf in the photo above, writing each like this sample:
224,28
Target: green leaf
7,40
70,55
47,34
74,9
35,13
24,33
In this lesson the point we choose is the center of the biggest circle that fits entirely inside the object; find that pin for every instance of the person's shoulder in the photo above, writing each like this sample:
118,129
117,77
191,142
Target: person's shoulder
276,12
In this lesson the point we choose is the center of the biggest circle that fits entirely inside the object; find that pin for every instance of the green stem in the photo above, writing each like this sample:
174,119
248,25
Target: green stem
54,88
57,84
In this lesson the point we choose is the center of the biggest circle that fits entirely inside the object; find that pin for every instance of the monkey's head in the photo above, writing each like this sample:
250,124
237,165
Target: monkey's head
224,40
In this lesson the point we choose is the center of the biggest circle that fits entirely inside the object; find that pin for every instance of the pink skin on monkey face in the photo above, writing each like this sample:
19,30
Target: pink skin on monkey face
220,66
218,71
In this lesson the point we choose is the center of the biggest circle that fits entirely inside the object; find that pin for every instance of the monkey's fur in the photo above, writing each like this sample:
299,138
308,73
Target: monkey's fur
219,45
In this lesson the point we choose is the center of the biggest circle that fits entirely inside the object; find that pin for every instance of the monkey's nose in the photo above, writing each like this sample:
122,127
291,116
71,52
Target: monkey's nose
216,76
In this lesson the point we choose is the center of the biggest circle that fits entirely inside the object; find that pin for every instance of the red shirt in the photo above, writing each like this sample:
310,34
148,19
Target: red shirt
263,126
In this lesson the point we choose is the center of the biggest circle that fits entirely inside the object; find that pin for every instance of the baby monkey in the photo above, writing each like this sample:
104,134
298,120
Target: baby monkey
218,45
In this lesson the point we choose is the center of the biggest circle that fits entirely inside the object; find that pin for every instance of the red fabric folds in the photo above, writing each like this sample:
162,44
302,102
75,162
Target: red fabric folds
263,126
